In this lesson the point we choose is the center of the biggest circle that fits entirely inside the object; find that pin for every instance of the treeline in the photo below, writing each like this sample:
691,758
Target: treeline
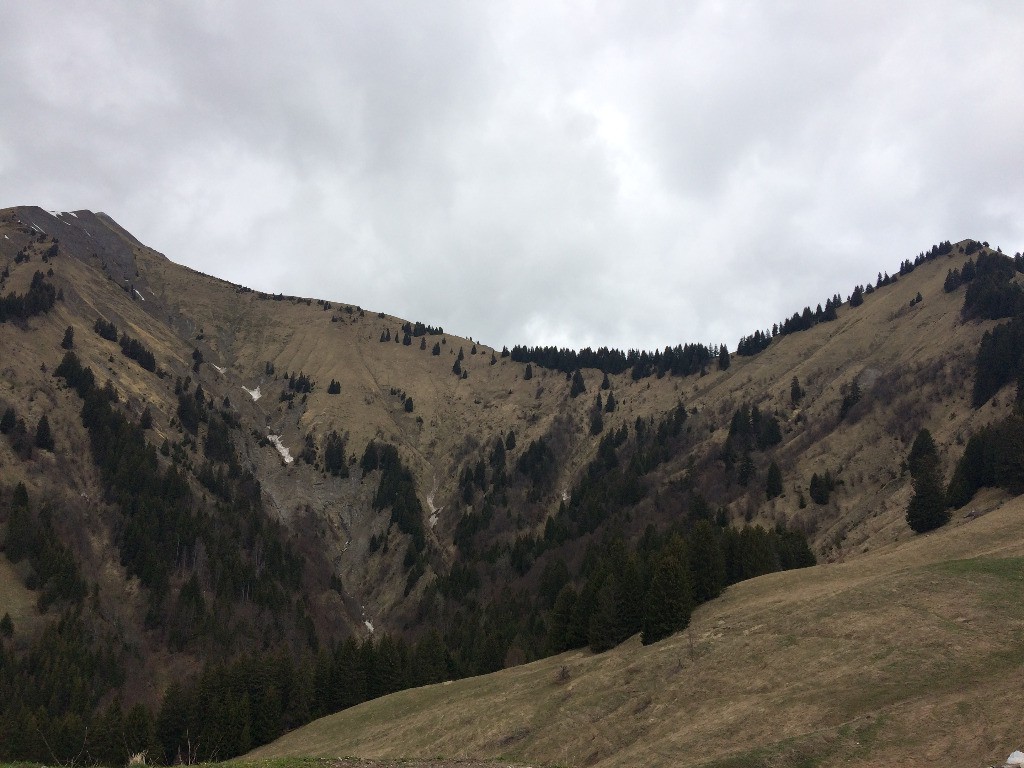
993,294
808,318
39,298
994,456
231,708
680,360
653,588
135,350
50,695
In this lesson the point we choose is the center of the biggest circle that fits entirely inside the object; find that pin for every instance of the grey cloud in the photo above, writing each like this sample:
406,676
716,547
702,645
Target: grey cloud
533,172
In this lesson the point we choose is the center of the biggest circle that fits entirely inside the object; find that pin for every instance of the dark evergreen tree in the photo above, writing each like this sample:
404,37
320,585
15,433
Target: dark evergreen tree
577,387
927,509
7,421
723,358
528,373
610,403
69,338
669,598
851,396
746,470
563,632
44,437
603,628
821,488
707,562
923,454
796,393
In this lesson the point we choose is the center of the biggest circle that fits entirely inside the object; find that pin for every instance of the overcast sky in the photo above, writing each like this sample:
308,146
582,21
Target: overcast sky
577,173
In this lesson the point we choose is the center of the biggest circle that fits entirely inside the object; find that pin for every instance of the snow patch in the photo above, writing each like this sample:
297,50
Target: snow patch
139,294
255,394
565,494
72,213
282,449
433,520
220,370
369,626
38,228
6,237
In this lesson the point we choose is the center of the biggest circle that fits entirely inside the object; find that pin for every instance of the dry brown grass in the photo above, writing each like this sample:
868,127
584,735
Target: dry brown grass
906,656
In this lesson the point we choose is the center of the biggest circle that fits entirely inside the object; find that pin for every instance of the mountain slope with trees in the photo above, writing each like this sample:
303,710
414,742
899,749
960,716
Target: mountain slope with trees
236,491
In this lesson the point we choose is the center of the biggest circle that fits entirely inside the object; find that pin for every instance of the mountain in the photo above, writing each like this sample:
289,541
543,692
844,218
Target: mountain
318,503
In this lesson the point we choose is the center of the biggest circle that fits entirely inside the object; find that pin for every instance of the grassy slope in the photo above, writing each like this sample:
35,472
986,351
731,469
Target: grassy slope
908,655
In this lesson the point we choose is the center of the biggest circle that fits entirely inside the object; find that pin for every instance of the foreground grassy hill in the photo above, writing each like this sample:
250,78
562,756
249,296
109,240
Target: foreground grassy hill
910,655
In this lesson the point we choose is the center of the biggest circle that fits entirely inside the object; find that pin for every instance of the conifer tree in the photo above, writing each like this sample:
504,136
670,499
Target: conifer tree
795,392
670,596
577,387
609,403
723,358
7,421
707,563
602,631
927,509
69,338
44,438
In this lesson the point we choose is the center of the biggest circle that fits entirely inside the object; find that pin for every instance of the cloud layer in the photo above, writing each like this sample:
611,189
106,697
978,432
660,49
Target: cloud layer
542,173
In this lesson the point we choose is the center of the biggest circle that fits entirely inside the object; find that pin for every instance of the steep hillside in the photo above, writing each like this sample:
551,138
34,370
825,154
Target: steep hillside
241,478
